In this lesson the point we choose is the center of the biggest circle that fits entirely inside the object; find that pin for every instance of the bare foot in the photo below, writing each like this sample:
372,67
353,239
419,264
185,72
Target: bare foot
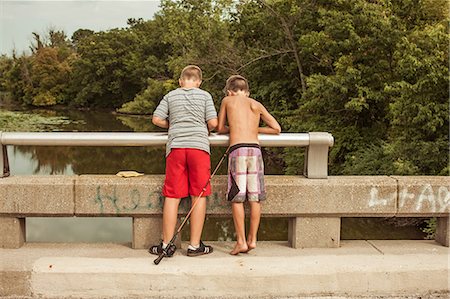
239,248
251,245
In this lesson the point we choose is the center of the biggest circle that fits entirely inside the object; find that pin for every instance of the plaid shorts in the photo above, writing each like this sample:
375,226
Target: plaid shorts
245,173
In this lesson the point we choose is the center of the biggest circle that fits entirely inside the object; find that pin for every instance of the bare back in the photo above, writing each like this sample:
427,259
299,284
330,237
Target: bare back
243,114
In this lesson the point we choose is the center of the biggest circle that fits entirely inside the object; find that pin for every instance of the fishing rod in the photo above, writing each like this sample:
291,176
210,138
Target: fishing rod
172,241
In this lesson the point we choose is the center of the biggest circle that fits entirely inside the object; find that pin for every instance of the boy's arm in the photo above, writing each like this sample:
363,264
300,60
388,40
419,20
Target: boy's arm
273,127
161,114
163,123
221,127
210,114
212,124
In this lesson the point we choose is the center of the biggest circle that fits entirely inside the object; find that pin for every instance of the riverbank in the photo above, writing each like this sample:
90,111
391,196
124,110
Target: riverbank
358,269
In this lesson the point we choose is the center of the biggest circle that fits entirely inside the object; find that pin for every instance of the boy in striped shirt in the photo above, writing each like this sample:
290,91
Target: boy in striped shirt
189,114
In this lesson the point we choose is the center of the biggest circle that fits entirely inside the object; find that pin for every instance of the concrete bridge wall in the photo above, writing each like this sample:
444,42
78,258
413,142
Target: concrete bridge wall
314,206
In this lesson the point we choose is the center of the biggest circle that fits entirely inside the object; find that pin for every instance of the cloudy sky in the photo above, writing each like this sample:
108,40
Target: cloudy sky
18,19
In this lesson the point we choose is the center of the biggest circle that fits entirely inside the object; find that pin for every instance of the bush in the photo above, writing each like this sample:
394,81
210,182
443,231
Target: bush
430,229
146,101
44,99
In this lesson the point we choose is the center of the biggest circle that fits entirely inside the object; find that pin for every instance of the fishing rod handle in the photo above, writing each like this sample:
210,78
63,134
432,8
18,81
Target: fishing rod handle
164,252
159,258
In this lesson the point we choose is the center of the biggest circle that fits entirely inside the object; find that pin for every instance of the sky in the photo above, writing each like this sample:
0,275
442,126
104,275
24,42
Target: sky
18,19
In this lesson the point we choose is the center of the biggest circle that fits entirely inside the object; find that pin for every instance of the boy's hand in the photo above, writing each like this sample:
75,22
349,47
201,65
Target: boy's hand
223,130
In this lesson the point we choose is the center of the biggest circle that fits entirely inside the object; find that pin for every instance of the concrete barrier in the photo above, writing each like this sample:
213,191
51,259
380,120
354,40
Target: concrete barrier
314,206
426,195
26,196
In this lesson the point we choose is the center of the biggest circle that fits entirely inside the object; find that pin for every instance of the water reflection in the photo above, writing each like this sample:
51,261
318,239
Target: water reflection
33,160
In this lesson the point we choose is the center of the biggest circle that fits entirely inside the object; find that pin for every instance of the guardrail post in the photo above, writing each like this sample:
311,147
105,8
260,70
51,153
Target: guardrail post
2,162
443,231
4,165
316,159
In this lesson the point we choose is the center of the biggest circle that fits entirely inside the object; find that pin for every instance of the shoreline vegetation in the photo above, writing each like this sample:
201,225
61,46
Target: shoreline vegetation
373,74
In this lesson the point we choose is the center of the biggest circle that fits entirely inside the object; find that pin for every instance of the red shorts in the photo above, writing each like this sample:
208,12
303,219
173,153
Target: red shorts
187,172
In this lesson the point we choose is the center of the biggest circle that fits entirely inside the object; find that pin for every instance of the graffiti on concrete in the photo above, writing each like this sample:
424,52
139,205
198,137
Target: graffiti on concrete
435,199
376,200
133,201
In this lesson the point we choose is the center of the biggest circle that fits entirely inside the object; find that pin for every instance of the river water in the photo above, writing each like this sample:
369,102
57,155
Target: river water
27,160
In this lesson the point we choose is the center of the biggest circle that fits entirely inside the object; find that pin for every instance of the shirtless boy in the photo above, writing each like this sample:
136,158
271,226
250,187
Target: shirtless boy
245,162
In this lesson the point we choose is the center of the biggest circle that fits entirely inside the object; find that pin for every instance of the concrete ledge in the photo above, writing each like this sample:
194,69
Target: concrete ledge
357,268
37,195
110,195
343,196
423,195
338,195
286,195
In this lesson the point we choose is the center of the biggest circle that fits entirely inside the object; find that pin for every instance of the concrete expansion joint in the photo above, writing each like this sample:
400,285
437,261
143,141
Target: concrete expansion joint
74,196
375,247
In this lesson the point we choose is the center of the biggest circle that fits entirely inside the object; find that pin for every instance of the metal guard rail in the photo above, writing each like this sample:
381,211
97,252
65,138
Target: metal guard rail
316,158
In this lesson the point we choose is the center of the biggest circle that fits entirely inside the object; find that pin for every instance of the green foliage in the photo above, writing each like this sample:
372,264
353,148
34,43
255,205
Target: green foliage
99,76
50,70
373,73
430,228
44,99
380,87
113,66
146,101
377,159
419,109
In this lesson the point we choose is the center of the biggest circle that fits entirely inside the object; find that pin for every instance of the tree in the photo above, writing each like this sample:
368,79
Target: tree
419,110
146,101
353,75
100,76
114,66
50,73
198,32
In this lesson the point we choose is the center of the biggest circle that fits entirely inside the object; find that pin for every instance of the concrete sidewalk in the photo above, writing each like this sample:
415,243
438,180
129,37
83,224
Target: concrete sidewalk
402,269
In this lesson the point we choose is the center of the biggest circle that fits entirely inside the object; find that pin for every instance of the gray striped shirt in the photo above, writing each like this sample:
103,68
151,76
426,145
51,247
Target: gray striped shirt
188,110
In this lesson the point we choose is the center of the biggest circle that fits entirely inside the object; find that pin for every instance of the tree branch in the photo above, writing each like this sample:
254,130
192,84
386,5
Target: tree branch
262,57
291,40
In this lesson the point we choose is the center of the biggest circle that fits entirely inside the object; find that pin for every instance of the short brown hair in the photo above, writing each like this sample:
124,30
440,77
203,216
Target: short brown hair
191,72
236,83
